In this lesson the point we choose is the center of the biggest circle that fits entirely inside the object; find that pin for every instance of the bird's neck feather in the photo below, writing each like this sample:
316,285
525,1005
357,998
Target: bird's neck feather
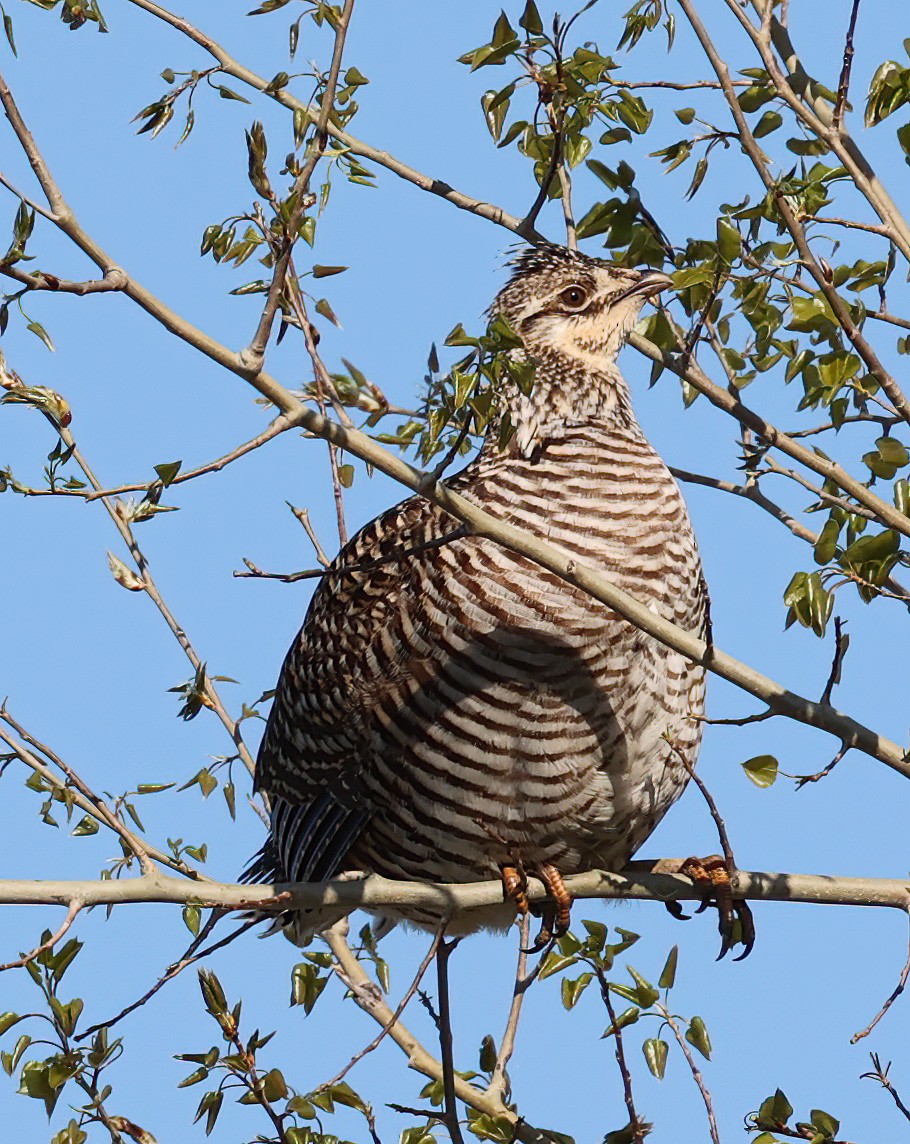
570,389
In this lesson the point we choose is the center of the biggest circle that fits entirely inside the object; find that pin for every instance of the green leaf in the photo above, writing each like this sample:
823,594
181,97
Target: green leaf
168,471
327,271
627,1017
774,1112
825,1123
572,990
656,1051
762,769
8,29
646,994
39,331
530,20
306,986
86,826
668,973
191,918
769,122
7,1020
729,241
697,1035
227,93
323,308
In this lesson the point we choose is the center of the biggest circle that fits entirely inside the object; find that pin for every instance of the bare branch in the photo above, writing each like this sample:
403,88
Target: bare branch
114,279
898,990
30,203
52,193
402,1005
499,1080
231,67
693,1067
302,515
637,1127
881,1075
368,998
74,907
375,893
449,1105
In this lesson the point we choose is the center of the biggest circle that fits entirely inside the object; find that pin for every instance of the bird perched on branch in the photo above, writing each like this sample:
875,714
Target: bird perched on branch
452,712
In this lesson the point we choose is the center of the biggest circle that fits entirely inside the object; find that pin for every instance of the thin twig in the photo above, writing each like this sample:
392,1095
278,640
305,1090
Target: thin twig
114,279
30,203
637,1127
368,998
450,1106
299,194
120,523
712,806
190,957
843,88
694,1069
302,516
74,907
360,566
898,990
402,1005
881,1075
78,790
499,1079
841,643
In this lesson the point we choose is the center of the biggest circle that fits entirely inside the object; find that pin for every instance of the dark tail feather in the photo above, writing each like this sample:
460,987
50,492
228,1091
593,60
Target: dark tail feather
306,843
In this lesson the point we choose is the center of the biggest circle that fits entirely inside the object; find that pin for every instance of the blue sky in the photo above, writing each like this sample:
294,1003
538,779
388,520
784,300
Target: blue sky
86,666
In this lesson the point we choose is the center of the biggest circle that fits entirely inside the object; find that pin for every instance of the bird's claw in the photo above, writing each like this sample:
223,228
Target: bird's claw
555,915
734,919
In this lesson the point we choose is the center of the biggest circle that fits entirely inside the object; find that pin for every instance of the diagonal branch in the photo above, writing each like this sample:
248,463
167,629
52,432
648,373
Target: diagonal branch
801,94
756,155
232,67
368,998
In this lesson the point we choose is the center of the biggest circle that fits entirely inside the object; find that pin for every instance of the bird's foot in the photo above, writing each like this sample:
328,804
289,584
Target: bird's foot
515,886
555,915
713,875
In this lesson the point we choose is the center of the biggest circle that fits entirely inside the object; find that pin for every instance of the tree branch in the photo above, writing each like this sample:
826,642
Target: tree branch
232,67
756,155
376,893
798,89
369,999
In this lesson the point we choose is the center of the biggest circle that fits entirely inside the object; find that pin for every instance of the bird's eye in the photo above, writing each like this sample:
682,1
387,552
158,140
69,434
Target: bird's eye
574,297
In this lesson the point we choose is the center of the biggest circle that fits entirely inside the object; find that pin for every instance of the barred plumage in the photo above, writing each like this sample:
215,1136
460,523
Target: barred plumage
451,708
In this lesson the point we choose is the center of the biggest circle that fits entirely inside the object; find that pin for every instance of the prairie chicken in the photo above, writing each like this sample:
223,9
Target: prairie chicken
451,712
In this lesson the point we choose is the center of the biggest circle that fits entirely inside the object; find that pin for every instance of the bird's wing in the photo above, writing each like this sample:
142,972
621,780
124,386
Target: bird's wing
318,734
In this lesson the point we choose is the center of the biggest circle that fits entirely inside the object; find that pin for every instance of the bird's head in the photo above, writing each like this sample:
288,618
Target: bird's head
564,302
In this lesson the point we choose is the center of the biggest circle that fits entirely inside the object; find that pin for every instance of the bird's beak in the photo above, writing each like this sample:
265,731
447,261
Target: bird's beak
650,283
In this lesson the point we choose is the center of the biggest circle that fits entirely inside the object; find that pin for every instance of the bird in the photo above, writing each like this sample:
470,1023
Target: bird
450,711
